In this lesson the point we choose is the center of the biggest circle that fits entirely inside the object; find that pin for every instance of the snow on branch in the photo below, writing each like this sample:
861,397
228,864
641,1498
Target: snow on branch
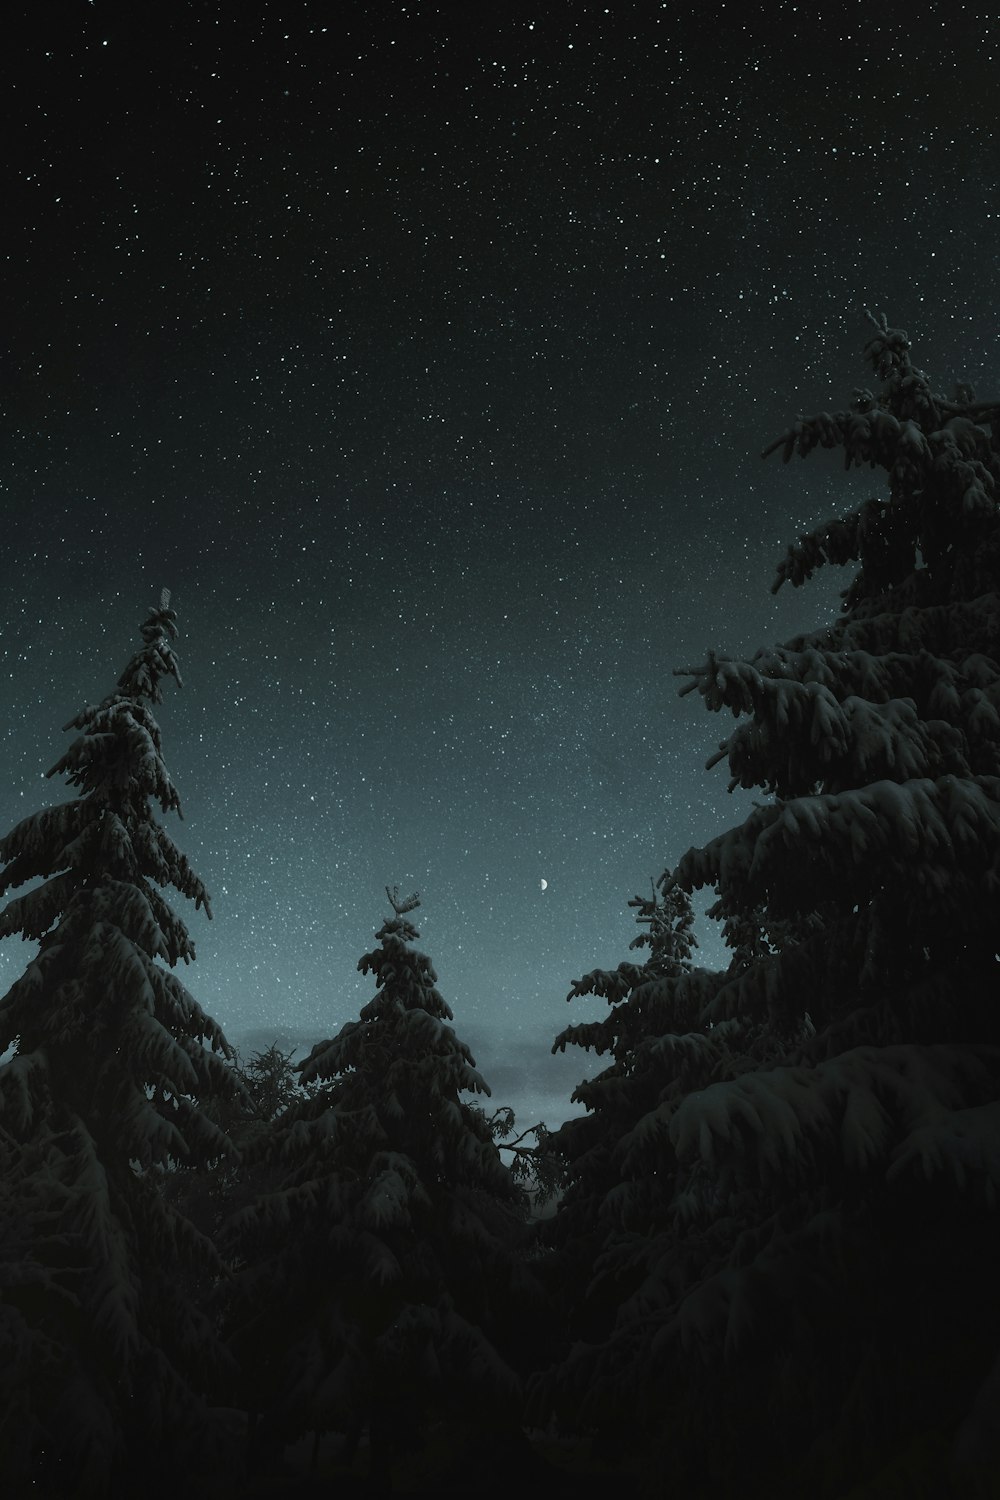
952,821
856,1107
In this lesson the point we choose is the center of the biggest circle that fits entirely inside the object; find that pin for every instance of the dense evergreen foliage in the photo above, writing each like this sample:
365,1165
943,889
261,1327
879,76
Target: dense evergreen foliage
798,1273
380,1282
104,1353
772,1264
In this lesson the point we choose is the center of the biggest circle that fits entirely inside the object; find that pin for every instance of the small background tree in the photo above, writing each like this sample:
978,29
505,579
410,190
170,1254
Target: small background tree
208,1192
598,1161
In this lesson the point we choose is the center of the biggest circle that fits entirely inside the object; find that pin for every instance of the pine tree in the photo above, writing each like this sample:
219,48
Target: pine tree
371,1284
208,1192
600,1163
102,1349
815,1293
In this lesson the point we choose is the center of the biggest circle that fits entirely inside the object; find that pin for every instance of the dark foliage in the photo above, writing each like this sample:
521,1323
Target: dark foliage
380,1286
104,1354
789,1174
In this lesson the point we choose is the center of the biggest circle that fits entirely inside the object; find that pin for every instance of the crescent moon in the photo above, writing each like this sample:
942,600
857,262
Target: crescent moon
543,885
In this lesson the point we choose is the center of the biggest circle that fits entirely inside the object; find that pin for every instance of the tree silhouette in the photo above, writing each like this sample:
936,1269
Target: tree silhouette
104,1353
373,1283
814,1296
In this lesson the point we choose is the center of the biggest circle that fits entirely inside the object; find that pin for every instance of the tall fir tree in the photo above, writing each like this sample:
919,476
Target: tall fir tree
103,1348
802,1246
376,1287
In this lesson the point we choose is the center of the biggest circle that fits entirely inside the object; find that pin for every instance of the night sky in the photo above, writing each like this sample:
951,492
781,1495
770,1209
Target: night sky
427,355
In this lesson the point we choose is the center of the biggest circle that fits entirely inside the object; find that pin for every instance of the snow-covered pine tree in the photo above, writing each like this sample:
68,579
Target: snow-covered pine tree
593,1151
374,1288
102,1352
816,1298
209,1192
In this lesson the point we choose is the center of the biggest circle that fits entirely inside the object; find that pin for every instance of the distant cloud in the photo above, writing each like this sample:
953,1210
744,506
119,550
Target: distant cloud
521,1071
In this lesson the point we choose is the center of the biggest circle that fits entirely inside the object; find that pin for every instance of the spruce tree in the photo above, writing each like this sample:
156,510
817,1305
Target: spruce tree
208,1192
103,1349
372,1285
803,1244
594,1151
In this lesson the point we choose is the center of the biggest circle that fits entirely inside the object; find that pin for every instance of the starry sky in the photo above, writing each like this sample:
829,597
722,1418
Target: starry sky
426,353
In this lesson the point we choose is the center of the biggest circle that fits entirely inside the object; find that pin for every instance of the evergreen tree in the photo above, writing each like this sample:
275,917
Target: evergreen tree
103,1352
208,1192
803,1244
372,1284
599,1162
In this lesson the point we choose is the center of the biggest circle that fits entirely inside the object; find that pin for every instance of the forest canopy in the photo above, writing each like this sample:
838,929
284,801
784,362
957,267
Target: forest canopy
772,1257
